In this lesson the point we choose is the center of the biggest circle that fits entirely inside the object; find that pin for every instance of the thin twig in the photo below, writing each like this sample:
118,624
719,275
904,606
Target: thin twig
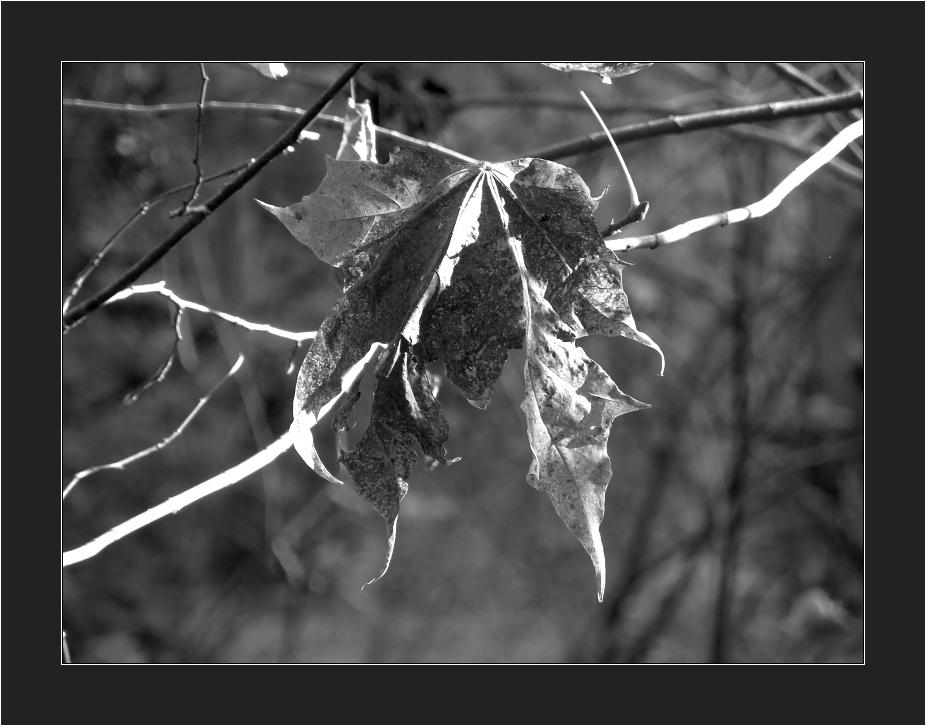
162,370
160,289
121,464
142,210
705,120
175,504
757,209
184,208
290,137
276,112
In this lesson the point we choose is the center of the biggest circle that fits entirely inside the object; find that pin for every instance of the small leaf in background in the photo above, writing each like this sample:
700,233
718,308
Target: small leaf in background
459,264
606,71
358,143
271,70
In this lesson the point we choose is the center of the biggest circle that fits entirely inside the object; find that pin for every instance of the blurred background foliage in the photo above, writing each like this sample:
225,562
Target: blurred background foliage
734,524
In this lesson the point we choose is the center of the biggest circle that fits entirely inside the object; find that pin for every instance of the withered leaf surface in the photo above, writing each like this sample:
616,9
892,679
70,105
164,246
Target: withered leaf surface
477,260
404,413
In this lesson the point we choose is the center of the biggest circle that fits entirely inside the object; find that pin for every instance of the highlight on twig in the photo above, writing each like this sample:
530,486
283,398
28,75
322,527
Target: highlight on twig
160,288
757,209
175,504
121,464
162,370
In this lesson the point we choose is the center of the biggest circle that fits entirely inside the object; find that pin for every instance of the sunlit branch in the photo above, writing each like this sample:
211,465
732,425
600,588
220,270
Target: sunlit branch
175,504
160,289
757,209
121,464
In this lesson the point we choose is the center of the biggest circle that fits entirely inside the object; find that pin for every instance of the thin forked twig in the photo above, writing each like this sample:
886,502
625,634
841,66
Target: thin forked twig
160,289
697,121
121,464
175,504
185,207
757,209
162,370
289,138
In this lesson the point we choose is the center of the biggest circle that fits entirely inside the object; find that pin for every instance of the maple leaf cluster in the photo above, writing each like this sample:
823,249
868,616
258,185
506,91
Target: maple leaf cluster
457,263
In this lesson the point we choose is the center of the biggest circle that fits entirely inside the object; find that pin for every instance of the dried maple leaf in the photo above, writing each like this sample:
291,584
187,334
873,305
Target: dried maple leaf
460,264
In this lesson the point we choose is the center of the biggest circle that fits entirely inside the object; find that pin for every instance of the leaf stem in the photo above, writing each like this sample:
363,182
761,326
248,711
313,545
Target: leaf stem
634,198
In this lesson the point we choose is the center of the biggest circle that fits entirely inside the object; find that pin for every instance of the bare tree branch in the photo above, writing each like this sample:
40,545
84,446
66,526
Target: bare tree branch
121,464
757,209
291,136
160,289
175,504
697,121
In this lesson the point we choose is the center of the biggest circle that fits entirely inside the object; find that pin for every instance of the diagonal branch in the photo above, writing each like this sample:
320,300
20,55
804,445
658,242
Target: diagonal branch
175,504
757,209
705,120
81,311
142,210
160,289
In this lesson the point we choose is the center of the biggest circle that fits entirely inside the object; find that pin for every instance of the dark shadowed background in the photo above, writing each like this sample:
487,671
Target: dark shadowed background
734,522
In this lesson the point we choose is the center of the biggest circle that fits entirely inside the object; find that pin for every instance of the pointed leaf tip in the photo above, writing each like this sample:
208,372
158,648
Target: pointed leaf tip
390,546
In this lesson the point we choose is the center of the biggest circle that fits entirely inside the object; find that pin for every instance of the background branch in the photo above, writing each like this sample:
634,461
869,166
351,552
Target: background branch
697,121
291,136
